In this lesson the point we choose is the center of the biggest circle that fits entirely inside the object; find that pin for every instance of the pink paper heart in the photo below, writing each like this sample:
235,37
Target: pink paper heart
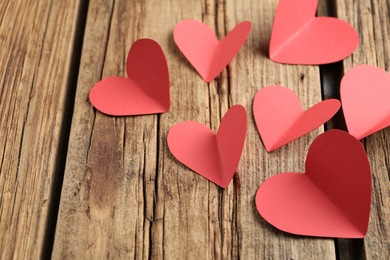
214,156
333,197
280,118
298,37
145,91
204,51
365,92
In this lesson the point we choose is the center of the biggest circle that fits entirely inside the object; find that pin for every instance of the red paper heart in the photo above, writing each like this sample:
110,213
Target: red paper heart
215,157
365,92
280,118
298,37
333,197
204,51
145,91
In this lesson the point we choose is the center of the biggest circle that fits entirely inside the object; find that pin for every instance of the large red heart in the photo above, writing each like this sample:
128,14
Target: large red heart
215,157
333,197
298,37
145,91
204,51
365,92
280,118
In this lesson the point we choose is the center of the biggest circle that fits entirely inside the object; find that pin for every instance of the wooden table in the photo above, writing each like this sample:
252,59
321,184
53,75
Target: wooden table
77,184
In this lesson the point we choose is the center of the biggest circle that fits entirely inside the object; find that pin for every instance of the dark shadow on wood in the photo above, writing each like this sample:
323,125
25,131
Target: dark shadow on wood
351,249
331,75
65,131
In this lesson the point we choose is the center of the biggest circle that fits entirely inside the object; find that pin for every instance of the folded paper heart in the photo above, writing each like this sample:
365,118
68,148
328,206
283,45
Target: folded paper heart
365,92
145,91
280,118
298,37
333,197
204,51
214,156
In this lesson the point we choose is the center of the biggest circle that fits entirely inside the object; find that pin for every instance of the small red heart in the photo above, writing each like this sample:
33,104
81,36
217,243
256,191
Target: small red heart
298,37
204,51
280,118
333,197
145,91
215,157
365,92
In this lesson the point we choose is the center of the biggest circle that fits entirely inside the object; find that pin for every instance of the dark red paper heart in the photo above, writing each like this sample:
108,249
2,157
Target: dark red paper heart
145,91
333,197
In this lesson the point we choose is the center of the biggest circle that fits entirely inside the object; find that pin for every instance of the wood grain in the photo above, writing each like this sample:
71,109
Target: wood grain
36,47
197,216
124,195
257,238
104,210
372,20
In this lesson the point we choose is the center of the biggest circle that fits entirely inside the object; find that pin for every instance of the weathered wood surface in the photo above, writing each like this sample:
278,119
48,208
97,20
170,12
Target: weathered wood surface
36,50
123,193
107,199
259,240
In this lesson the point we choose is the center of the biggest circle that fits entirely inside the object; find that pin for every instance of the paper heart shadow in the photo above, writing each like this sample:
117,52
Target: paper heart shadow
214,156
333,197
145,91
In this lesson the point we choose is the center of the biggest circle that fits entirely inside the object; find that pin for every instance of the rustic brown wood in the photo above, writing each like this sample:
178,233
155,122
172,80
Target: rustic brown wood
196,216
372,21
105,209
257,238
36,47
124,195
98,185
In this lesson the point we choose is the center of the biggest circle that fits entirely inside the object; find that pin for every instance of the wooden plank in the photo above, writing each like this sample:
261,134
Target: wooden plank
36,48
107,203
108,186
249,72
372,20
196,216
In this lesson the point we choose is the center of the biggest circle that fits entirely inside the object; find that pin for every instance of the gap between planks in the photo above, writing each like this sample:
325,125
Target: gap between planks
65,130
